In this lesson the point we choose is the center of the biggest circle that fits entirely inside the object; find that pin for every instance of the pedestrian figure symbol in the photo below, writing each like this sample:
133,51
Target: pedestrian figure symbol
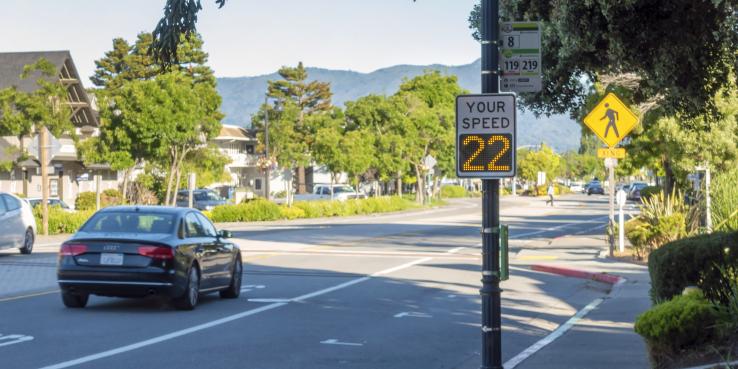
612,118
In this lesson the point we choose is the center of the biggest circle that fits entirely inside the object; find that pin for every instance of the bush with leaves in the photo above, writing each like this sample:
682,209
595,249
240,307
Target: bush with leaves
88,200
682,322
62,221
663,218
694,261
451,192
649,191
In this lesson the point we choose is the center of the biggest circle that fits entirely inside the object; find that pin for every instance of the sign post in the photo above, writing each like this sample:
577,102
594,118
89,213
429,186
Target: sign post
611,121
485,148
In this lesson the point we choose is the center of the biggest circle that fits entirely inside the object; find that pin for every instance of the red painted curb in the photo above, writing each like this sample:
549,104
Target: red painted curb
599,277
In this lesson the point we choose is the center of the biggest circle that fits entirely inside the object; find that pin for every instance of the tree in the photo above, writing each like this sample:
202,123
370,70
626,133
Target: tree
299,101
166,119
125,64
531,162
44,108
634,43
429,100
385,120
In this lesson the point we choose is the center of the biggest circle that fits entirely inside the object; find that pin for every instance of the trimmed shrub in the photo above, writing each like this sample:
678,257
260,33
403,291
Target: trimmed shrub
683,322
292,213
451,192
648,191
61,221
256,210
694,261
87,200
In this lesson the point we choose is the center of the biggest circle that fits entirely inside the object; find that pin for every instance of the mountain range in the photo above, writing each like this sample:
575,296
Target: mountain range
242,97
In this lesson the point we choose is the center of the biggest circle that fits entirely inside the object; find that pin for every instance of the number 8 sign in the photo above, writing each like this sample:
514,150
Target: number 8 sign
485,136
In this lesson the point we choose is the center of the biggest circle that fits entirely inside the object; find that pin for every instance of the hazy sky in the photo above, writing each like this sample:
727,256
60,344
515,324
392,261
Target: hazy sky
253,37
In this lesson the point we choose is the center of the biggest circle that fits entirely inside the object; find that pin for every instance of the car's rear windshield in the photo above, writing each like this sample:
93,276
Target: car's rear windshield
129,222
207,196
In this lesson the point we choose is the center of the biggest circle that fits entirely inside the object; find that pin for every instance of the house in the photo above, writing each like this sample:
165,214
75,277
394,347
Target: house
240,145
68,176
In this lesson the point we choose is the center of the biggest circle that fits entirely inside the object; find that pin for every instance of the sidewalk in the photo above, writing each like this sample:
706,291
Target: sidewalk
603,338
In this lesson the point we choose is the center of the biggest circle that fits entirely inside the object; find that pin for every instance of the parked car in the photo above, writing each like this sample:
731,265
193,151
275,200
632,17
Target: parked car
341,192
53,201
17,225
595,188
137,251
576,187
634,193
202,199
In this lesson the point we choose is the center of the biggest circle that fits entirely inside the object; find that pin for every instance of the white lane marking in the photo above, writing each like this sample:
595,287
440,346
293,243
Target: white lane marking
334,341
549,229
221,321
270,300
411,314
455,250
257,286
245,290
558,332
11,339
451,296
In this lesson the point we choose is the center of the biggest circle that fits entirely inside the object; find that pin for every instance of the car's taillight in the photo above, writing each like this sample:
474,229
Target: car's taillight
156,252
73,249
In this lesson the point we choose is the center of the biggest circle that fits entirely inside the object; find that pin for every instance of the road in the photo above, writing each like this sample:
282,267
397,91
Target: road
388,291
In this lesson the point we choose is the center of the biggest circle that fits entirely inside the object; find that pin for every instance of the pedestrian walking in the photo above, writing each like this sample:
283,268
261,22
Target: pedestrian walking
550,194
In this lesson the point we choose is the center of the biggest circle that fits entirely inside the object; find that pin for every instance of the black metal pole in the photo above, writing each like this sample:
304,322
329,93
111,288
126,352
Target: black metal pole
490,291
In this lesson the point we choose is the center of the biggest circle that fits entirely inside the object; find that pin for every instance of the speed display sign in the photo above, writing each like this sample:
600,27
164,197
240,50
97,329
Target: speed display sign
485,136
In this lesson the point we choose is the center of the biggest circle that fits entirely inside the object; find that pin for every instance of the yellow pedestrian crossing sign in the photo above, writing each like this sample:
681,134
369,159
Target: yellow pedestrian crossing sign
611,120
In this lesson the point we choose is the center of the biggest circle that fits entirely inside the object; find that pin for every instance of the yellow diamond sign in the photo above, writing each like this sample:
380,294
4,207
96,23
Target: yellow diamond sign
611,120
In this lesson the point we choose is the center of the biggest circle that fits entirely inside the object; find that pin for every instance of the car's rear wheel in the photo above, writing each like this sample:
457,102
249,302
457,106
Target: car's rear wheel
234,289
189,299
27,242
74,300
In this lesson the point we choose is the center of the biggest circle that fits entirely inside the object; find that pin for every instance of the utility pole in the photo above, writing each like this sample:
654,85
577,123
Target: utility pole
266,150
43,142
490,291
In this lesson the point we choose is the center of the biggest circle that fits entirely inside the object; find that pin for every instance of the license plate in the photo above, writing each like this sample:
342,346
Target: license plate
111,259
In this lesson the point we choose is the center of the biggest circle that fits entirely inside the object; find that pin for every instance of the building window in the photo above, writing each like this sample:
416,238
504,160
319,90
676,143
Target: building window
250,149
53,187
257,184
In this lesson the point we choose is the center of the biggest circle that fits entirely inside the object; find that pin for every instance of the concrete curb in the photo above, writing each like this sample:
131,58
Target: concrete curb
599,277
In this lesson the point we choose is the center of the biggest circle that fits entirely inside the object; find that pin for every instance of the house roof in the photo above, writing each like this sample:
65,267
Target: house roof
234,133
11,68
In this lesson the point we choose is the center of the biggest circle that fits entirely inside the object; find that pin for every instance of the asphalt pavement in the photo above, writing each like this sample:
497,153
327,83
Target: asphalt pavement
387,291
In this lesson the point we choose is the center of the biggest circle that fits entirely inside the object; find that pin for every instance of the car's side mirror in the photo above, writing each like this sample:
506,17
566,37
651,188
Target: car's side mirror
225,234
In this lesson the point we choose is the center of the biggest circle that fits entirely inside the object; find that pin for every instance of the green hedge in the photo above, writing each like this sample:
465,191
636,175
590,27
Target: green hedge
452,192
257,210
694,261
683,322
262,210
88,200
61,221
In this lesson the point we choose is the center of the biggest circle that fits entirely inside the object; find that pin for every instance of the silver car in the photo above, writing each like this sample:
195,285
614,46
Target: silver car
17,225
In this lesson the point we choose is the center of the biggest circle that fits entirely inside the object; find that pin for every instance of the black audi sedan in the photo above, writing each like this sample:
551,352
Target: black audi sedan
138,251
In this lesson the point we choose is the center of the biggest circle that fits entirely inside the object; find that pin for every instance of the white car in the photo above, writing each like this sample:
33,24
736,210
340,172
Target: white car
323,192
17,225
576,187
